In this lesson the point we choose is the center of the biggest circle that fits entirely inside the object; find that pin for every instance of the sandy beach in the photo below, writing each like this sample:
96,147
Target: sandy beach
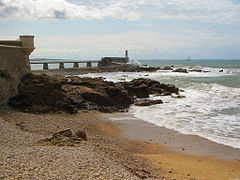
126,149
105,154
181,155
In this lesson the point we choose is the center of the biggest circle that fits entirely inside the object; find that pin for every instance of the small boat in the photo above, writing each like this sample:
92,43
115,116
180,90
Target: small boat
189,58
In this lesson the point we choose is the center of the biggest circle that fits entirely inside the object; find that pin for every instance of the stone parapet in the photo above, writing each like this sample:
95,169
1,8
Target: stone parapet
11,43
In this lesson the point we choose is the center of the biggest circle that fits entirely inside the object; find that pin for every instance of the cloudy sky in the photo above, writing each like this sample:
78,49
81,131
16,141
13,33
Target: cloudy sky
149,29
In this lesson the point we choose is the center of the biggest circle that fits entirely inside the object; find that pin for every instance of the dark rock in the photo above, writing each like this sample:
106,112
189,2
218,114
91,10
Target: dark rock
39,93
147,102
66,133
171,88
43,93
120,97
70,108
195,70
141,91
221,70
166,93
97,98
154,87
82,135
64,138
180,70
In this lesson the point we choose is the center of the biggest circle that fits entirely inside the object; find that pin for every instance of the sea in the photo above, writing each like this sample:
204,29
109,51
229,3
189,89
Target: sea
211,107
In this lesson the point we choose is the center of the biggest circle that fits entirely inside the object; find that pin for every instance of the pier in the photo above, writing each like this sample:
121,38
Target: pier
62,62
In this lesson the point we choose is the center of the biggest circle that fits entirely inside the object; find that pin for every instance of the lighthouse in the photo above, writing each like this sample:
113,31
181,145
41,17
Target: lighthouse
126,55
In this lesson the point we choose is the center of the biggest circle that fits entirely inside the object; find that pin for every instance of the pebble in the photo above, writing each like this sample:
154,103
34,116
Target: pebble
21,158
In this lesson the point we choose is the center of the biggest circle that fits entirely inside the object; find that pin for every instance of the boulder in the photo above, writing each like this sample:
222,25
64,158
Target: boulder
181,70
40,93
64,138
120,97
154,87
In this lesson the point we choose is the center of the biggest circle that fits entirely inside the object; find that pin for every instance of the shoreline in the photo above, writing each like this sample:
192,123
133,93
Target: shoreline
180,156
119,149
138,129
137,149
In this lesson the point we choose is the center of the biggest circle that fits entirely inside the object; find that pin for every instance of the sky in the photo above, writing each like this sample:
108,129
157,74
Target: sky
148,29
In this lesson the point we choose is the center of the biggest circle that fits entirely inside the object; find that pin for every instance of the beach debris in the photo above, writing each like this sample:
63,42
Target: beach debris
64,138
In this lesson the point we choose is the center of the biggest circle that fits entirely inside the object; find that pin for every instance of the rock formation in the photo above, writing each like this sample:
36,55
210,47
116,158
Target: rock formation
43,93
181,70
64,138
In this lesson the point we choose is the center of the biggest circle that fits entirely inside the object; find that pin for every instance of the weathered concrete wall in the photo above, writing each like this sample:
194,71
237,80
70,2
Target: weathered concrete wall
113,60
13,65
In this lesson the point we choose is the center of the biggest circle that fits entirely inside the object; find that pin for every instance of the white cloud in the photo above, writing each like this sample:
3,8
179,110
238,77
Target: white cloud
221,11
139,44
32,9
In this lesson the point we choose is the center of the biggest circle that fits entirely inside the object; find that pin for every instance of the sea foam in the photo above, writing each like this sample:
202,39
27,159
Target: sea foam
210,109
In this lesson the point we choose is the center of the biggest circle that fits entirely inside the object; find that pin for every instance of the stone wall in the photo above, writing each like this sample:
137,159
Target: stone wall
13,65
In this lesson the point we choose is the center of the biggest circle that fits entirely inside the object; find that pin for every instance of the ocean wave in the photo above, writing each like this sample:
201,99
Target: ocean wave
211,111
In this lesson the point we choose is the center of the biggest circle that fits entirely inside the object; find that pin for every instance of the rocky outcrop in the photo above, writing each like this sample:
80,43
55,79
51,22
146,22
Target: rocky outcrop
195,70
43,93
181,70
64,138
148,86
168,68
147,102
40,94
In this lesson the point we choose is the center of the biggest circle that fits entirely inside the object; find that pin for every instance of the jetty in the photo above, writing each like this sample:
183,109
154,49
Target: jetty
46,61
105,61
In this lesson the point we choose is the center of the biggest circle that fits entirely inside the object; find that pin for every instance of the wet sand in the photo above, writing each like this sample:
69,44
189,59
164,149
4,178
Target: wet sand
181,156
